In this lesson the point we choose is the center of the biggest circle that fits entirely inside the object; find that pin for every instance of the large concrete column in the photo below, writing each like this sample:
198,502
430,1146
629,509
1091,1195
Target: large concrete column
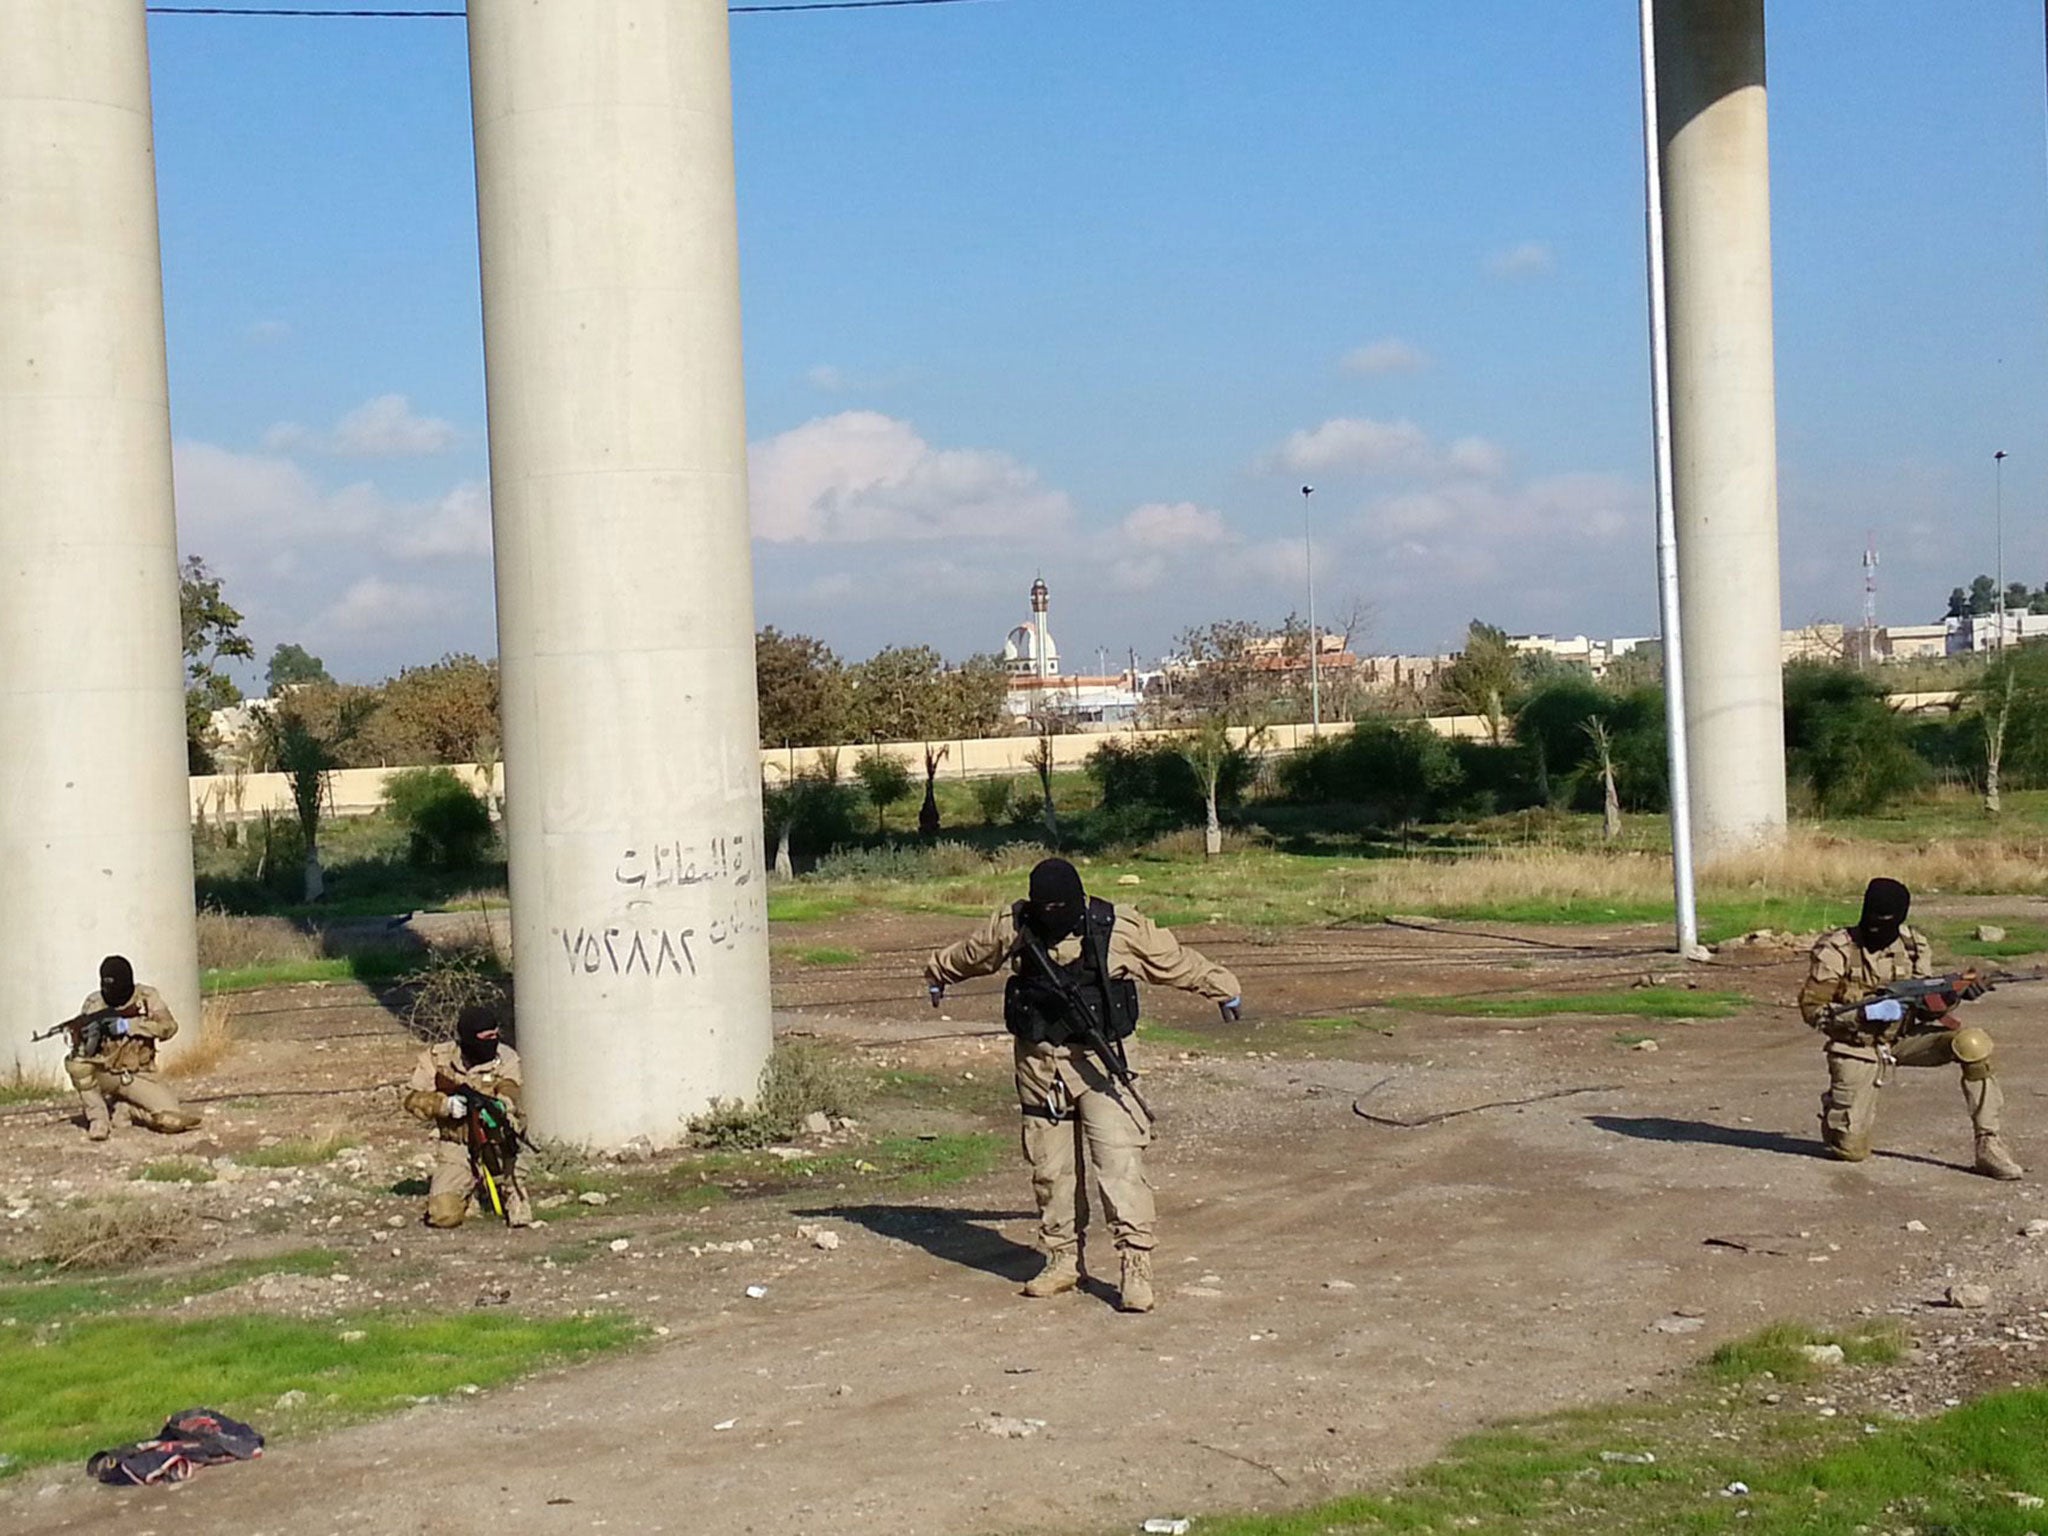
95,829
1717,232
625,590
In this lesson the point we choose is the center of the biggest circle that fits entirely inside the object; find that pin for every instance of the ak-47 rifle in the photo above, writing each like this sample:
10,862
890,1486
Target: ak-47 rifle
493,1141
1929,998
88,1030
1082,1029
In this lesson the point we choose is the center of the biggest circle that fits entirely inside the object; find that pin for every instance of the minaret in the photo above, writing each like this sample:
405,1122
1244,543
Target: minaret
1041,650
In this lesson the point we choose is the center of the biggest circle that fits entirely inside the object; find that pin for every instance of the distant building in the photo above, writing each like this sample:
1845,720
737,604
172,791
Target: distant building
1038,688
1975,633
1029,650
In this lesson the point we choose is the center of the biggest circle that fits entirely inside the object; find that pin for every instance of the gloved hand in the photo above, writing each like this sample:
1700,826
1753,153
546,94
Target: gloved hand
455,1108
936,991
1886,1010
1973,987
117,1027
1232,1009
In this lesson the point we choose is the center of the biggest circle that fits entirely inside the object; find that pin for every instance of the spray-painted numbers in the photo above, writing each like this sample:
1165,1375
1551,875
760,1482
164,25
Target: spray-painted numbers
629,951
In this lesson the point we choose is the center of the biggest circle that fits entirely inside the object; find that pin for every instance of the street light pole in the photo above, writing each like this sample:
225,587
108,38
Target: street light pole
1998,523
1315,660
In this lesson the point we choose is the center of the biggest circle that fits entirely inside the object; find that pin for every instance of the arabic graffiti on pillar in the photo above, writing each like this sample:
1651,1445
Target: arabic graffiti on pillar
630,951
672,866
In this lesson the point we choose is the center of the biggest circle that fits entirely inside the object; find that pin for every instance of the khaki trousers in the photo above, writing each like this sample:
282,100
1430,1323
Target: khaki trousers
453,1192
1849,1107
152,1105
1075,1115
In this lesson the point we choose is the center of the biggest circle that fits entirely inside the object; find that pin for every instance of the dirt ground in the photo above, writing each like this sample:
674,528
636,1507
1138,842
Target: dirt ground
1339,1298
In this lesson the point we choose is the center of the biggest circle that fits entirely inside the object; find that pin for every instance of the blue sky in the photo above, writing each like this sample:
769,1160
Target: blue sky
1091,286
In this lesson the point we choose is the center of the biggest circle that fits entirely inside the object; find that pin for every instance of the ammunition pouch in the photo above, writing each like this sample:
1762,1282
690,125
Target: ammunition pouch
1040,1011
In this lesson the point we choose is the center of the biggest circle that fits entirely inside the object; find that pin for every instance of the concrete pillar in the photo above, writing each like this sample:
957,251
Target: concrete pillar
625,589
95,830
1717,232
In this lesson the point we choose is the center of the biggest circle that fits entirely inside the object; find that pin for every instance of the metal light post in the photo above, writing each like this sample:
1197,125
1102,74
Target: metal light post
1677,747
1998,525
1315,659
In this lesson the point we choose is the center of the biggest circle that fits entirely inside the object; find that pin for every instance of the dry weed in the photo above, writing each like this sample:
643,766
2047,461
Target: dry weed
1813,863
449,981
209,1045
111,1233
230,943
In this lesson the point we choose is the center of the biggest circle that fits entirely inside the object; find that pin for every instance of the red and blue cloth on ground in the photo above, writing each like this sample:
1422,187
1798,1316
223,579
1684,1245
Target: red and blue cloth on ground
189,1440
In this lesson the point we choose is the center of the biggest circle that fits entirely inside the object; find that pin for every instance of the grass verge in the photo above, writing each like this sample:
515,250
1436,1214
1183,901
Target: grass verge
177,1170
371,967
1718,1457
304,1152
73,1387
826,955
1634,1002
34,1302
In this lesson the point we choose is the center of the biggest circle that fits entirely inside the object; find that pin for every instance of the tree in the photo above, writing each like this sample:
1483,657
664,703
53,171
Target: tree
1229,669
211,629
293,747
1039,759
1603,755
971,698
1983,597
1208,749
443,713
805,694
2005,715
886,780
928,813
1482,680
1958,603
293,666
1845,741
897,695
992,798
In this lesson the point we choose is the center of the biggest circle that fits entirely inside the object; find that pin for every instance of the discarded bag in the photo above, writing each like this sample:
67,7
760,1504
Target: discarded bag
190,1439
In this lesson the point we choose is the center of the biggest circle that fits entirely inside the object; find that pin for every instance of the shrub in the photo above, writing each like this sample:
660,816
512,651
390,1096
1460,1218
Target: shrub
450,980
1157,777
1844,742
799,1080
111,1233
885,778
1398,771
447,823
992,799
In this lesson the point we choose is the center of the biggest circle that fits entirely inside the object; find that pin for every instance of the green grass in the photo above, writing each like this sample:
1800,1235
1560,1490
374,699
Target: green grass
1633,1002
1960,938
1776,1351
177,1170
826,955
305,1152
371,966
32,1303
23,1090
1341,1023
74,1387
807,906
1806,1475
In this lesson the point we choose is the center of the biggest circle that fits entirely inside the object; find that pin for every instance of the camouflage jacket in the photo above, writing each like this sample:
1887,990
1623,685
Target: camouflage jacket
1842,971
134,1051
1139,949
441,1070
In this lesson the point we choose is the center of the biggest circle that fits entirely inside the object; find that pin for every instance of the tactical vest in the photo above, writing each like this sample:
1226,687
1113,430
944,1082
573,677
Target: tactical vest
1041,1010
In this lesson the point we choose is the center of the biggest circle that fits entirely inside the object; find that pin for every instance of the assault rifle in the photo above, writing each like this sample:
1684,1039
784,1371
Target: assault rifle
1082,1028
88,1030
1930,997
493,1142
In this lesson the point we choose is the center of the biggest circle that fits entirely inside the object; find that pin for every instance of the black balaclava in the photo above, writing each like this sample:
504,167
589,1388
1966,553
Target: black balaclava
1058,906
1885,904
476,1031
117,981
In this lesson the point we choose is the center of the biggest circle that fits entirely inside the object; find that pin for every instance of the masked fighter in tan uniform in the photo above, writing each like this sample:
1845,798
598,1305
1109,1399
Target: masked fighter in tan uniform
1868,1034
116,1058
473,1060
1072,1105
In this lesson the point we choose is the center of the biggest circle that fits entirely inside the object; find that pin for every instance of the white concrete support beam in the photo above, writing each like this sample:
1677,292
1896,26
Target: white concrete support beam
1712,129
95,841
625,591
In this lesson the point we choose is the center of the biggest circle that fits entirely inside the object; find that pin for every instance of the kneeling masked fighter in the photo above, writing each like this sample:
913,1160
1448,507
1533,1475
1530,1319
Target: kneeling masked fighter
1073,1105
468,1090
113,1054
1869,1033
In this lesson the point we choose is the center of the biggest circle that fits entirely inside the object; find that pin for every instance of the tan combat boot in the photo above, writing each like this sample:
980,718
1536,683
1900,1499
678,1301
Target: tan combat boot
1993,1161
1135,1293
1062,1273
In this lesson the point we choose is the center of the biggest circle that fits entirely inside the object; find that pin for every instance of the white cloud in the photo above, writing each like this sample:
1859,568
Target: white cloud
861,476
241,495
374,604
826,377
1391,355
1360,445
1173,525
456,527
382,428
1531,258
